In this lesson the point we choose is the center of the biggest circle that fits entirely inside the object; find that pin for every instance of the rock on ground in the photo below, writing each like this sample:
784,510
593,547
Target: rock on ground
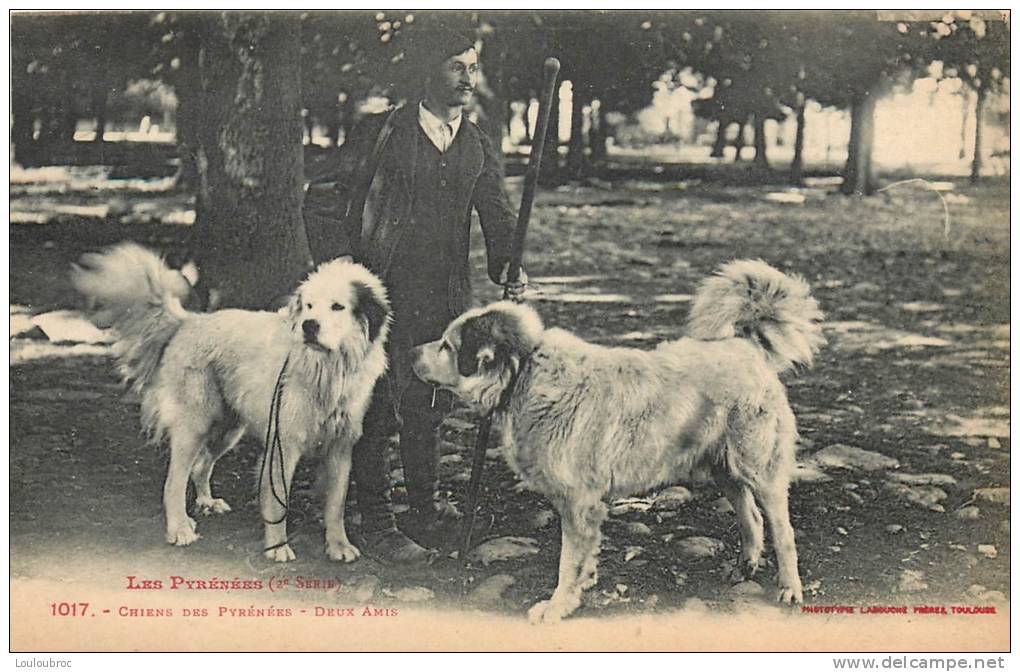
722,505
842,456
628,505
969,513
70,326
982,594
695,604
912,581
700,547
809,473
490,591
361,589
632,552
637,529
411,594
926,496
988,550
542,519
993,495
924,479
671,499
746,588
503,548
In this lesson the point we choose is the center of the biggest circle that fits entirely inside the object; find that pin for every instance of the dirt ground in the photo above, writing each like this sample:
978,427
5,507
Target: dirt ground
916,371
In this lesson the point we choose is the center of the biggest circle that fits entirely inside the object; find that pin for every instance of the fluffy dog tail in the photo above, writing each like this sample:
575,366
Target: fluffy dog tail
140,296
750,299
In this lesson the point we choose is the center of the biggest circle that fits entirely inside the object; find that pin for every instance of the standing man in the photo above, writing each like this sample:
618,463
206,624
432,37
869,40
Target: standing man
400,202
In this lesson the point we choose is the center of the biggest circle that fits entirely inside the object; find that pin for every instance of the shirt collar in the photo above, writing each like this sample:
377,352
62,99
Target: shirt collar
431,122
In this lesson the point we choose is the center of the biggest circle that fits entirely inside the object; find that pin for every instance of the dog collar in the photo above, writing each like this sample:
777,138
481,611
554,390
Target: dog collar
508,391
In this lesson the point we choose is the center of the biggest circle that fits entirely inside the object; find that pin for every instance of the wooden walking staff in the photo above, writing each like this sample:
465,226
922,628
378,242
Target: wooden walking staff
550,71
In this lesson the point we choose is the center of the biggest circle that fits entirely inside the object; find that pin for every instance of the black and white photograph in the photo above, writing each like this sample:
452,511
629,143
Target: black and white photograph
510,330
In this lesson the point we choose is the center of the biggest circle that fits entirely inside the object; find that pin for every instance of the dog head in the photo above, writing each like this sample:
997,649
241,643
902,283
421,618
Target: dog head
480,352
341,307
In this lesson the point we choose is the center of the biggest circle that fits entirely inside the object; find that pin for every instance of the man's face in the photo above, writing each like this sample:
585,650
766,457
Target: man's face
454,80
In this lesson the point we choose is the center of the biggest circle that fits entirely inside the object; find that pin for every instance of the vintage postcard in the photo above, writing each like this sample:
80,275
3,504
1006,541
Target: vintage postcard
526,330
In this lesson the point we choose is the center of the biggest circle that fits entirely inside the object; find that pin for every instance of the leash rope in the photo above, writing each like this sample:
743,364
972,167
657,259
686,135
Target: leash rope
274,453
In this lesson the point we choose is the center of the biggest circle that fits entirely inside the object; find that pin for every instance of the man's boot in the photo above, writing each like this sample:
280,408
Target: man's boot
382,541
433,516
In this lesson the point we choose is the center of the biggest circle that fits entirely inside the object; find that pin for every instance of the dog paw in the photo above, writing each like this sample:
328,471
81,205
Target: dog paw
280,554
184,534
210,505
791,595
342,552
547,612
744,571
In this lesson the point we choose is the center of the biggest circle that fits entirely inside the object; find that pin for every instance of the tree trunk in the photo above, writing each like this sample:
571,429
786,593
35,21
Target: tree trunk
529,133
68,125
979,122
58,125
858,177
575,154
494,105
333,133
100,97
761,160
508,117
47,126
248,223
22,129
598,136
308,121
99,107
550,173
965,96
188,88
719,146
797,165
347,110
738,142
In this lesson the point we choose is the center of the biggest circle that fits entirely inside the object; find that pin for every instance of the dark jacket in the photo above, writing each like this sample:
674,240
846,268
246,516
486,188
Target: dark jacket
373,238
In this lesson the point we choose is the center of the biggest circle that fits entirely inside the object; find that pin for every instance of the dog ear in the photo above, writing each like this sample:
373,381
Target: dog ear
474,337
190,272
485,357
489,341
372,310
294,307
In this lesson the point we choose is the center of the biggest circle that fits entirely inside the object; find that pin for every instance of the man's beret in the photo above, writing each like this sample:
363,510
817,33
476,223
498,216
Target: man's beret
429,46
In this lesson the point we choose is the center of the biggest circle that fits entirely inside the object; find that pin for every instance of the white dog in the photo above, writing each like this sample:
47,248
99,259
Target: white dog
582,423
302,380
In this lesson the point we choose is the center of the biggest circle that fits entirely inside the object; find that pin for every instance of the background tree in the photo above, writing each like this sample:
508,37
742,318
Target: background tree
857,61
67,67
760,66
976,51
792,49
342,56
742,54
176,62
611,60
634,53
248,227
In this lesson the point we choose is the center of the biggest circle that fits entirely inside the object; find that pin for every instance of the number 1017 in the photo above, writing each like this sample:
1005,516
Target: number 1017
68,608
